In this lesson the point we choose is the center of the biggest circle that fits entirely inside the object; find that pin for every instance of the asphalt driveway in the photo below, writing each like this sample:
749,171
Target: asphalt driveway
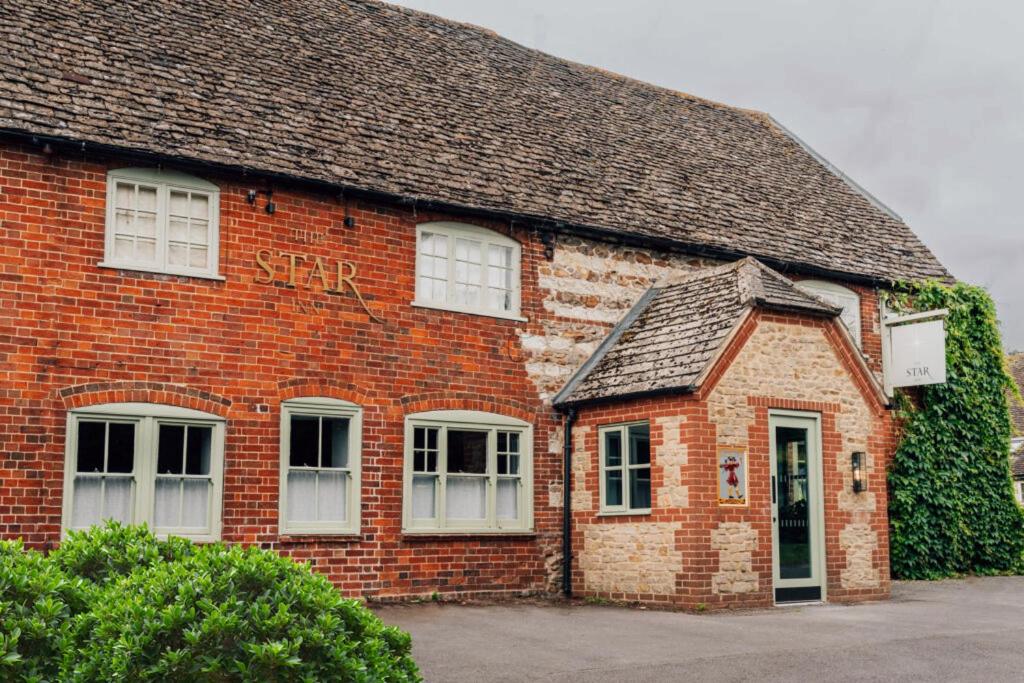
970,630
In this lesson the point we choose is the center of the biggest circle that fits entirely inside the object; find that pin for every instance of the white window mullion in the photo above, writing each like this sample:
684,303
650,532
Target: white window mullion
442,477
492,477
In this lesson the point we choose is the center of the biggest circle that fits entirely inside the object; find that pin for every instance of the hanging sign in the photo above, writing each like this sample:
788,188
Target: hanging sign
917,350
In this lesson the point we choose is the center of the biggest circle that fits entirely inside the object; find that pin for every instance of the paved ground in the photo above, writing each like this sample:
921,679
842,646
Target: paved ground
970,630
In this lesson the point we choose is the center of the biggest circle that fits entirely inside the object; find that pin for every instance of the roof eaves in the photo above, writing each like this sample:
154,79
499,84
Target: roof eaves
563,396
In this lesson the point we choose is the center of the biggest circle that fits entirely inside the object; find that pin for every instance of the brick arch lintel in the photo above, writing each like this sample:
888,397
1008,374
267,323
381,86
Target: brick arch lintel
455,400
164,393
322,388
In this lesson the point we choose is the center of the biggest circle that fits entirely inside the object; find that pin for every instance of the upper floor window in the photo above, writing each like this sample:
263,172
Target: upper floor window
467,471
841,297
320,466
625,452
142,462
467,268
161,221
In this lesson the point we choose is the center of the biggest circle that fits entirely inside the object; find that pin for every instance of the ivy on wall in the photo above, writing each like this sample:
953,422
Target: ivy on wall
951,503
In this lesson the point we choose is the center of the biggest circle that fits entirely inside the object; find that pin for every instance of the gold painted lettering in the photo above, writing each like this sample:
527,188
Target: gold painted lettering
349,280
263,257
293,260
318,272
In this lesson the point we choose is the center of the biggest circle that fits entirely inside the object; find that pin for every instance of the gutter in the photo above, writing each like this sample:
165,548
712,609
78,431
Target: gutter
541,223
568,422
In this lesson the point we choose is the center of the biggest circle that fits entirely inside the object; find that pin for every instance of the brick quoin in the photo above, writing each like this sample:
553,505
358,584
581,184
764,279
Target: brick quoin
73,334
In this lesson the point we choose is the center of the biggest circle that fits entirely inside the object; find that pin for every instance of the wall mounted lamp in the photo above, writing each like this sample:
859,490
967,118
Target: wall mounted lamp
857,463
252,195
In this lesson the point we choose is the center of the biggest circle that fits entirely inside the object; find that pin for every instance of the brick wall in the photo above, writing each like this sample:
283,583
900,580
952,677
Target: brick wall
74,334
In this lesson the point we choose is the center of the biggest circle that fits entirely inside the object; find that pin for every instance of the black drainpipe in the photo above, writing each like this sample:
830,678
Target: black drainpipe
570,418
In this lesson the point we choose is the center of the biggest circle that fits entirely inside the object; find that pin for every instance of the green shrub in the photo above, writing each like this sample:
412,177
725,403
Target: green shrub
116,604
113,550
951,504
37,602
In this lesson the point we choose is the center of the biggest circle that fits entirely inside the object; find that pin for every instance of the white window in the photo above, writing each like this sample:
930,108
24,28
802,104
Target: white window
1020,491
467,268
840,297
625,453
145,463
321,440
467,471
161,221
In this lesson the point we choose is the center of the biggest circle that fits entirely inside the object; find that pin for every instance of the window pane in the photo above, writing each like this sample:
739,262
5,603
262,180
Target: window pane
466,498
117,503
331,497
301,496
513,442
508,499
124,248
613,487
91,436
423,496
170,449
197,455
302,446
195,503
613,449
121,447
334,442
147,199
87,501
198,234
145,224
167,505
179,204
177,254
467,451
640,488
197,257
177,229
639,445
145,250
125,196
200,206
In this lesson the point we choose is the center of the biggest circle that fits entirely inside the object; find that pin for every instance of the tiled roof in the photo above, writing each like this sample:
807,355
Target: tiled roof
366,95
673,333
1016,364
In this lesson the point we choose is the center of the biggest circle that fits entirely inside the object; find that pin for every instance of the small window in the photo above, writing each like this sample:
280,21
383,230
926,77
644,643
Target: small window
320,466
467,268
163,222
840,297
467,471
625,452
139,462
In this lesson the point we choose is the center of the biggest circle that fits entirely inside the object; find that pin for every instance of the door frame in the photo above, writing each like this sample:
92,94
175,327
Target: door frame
816,492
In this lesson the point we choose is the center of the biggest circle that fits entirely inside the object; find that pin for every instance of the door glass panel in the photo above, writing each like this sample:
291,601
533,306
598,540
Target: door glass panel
794,528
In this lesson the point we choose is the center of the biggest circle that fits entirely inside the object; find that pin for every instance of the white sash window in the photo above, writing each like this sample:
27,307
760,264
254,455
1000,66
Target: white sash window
163,222
320,466
145,463
467,471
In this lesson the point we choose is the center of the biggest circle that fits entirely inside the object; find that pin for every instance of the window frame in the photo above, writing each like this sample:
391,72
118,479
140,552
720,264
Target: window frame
486,237
469,420
147,417
164,182
835,293
623,430
318,406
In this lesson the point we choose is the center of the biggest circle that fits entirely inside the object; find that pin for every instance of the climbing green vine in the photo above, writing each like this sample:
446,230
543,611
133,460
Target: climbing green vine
951,503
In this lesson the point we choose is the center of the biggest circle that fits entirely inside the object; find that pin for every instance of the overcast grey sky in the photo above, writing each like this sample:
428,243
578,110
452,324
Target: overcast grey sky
920,102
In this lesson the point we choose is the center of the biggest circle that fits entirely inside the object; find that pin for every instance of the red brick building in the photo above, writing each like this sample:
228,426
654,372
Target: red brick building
310,277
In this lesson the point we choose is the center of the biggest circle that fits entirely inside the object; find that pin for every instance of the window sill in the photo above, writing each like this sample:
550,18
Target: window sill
141,269
468,311
436,534
295,537
624,513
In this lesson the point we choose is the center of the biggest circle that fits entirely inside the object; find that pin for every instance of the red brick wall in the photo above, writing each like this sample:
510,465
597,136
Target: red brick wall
73,334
